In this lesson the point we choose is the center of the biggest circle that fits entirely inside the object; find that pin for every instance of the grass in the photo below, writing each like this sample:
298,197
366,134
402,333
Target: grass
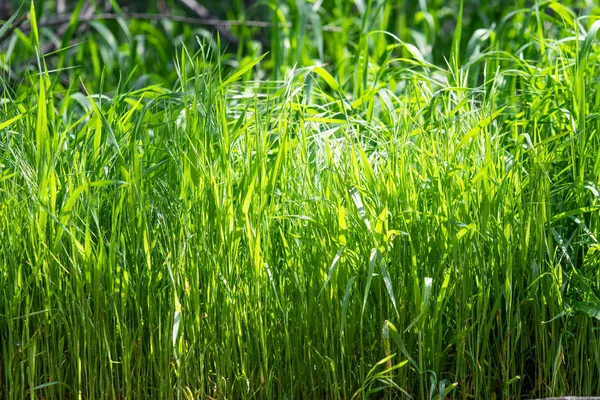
385,224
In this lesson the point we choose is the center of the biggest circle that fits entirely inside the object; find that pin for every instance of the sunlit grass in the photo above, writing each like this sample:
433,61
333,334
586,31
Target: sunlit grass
380,226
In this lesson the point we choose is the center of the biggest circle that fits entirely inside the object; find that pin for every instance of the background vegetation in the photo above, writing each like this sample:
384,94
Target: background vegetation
338,199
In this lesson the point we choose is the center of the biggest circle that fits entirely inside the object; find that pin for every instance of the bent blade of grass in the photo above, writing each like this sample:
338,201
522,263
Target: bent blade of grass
372,261
240,72
9,23
248,197
327,77
270,275
176,313
345,302
481,125
424,304
357,199
388,285
590,37
11,121
332,268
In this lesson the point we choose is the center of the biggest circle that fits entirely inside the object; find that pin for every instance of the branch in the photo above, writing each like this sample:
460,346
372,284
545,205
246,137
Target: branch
202,12
212,22
196,8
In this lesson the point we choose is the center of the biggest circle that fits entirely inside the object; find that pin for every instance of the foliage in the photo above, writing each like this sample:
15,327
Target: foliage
385,209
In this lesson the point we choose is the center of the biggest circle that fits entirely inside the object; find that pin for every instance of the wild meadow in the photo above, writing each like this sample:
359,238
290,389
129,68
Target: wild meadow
350,199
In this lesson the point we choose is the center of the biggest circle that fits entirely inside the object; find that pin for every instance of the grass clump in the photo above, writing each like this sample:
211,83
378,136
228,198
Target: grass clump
386,225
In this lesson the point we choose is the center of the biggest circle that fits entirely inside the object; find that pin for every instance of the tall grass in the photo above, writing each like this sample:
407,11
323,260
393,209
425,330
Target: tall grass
382,226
